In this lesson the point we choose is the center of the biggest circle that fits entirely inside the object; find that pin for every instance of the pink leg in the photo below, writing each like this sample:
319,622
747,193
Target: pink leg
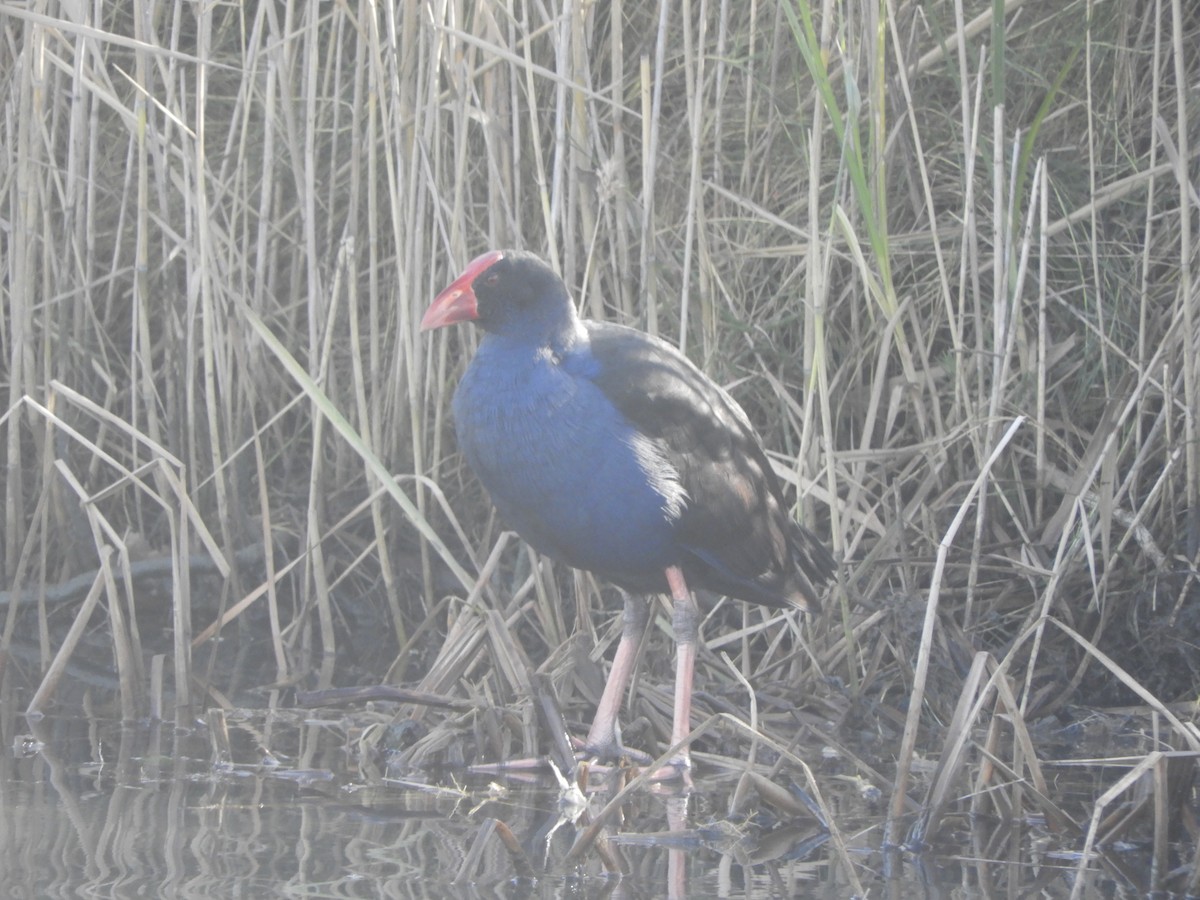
685,621
676,856
603,739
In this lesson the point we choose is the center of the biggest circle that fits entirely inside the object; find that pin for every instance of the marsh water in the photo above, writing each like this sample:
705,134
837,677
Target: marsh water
285,802
251,795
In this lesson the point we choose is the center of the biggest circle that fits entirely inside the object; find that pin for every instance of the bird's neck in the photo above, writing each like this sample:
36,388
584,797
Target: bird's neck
552,343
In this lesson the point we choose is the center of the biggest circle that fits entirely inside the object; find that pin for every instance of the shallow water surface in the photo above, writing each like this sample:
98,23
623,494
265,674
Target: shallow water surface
293,803
151,810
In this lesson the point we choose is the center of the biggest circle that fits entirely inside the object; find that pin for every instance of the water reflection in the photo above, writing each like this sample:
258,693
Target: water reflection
153,810
260,802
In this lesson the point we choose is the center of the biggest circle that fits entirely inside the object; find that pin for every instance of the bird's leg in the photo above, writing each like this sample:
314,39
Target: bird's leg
677,805
604,739
685,621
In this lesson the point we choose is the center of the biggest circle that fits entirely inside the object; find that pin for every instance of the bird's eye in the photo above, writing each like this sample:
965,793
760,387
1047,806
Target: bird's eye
491,279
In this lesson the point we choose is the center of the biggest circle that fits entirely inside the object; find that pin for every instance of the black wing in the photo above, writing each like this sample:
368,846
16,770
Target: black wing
735,533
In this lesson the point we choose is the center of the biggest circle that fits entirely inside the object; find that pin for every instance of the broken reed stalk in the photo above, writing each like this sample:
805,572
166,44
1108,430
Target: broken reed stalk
58,664
916,700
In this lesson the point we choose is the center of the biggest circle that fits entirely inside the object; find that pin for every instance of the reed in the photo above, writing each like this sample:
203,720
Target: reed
942,253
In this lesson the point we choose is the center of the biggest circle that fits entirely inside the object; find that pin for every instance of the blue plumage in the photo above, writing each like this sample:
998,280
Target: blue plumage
563,466
607,449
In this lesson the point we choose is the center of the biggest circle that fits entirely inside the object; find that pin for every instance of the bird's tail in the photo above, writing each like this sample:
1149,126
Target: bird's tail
815,566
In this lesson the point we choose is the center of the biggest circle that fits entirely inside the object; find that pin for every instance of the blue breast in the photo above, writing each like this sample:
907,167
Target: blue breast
564,468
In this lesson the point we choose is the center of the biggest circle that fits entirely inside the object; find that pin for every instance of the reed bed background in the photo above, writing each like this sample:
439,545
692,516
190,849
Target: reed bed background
944,253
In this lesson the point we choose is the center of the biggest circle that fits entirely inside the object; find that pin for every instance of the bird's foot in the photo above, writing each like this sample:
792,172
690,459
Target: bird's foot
527,768
609,750
602,757
676,774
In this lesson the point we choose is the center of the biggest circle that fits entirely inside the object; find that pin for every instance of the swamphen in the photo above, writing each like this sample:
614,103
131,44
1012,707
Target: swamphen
607,449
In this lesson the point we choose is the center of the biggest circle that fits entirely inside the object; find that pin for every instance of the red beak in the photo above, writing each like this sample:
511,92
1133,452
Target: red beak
457,302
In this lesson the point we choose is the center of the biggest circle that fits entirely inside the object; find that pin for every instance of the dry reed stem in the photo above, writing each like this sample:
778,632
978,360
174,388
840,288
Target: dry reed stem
908,741
55,670
889,236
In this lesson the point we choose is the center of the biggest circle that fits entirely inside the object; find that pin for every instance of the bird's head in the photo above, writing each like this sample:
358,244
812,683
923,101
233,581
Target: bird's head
506,292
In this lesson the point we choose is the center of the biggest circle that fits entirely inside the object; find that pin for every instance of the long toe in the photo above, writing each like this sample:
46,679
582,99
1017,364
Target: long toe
676,774
610,751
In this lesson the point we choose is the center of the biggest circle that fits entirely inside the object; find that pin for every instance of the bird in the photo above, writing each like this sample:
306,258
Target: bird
607,449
